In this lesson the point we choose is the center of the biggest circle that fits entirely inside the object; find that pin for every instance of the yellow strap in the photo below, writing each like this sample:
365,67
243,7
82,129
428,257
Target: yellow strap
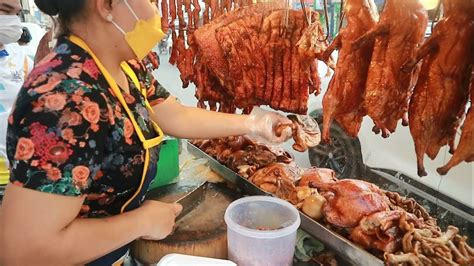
26,67
115,88
147,144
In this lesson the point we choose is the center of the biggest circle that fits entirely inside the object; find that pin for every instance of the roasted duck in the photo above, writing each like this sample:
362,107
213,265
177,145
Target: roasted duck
344,98
399,31
465,149
350,200
438,103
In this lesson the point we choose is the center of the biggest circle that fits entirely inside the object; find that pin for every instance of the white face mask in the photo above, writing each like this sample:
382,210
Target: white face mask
10,29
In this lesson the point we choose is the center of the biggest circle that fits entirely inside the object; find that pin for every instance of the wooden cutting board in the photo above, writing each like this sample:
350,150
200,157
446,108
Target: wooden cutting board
200,233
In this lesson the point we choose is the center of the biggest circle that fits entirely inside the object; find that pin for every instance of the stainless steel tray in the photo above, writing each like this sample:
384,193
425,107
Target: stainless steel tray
342,246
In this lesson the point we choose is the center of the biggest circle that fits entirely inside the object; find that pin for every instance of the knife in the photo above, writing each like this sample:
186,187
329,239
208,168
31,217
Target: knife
191,200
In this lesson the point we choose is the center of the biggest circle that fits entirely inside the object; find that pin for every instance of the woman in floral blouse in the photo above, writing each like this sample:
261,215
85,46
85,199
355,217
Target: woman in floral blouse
76,153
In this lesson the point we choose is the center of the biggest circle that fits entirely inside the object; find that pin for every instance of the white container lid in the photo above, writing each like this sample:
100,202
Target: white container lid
185,260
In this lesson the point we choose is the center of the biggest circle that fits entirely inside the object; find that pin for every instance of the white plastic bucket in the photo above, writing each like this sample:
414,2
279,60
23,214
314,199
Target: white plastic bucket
261,231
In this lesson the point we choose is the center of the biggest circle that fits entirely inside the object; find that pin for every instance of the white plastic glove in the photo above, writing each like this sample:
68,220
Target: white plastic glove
262,125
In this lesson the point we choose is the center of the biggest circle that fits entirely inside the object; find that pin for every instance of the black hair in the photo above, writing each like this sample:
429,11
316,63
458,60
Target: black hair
66,10
25,36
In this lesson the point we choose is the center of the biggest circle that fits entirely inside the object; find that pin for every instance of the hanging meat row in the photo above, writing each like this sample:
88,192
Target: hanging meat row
253,54
241,55
378,75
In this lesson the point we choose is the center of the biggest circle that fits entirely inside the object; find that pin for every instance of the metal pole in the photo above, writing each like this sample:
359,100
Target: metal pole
331,21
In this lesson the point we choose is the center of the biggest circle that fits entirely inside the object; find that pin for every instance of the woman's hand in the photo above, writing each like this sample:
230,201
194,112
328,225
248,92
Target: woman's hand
262,125
196,123
160,218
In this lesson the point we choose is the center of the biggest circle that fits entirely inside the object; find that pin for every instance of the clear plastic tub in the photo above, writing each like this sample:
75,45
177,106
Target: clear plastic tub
261,231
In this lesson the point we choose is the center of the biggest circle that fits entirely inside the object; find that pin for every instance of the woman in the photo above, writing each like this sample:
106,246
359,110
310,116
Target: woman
83,142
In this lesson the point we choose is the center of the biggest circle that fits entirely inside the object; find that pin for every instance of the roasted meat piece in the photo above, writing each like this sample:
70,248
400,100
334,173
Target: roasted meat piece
344,98
164,15
381,230
350,200
278,179
411,206
304,129
254,55
317,175
400,30
465,149
438,103
242,155
306,132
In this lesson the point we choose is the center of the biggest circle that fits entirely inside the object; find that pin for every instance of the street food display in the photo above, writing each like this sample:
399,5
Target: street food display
394,228
241,54
429,96
444,77
246,54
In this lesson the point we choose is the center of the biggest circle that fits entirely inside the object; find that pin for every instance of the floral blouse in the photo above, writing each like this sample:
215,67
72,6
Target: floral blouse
69,135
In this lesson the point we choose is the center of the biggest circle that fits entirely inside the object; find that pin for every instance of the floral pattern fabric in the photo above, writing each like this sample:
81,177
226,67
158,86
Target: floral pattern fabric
69,135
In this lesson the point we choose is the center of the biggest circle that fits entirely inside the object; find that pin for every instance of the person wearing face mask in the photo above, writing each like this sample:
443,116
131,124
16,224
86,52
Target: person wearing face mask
84,138
14,67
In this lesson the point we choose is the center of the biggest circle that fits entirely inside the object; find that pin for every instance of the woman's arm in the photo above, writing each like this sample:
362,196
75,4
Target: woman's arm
190,122
38,228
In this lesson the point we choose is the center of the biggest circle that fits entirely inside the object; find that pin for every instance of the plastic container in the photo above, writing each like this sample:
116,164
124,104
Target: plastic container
186,260
261,231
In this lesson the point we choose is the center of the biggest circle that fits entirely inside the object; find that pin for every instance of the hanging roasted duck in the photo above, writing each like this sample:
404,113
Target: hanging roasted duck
398,33
438,103
465,149
343,100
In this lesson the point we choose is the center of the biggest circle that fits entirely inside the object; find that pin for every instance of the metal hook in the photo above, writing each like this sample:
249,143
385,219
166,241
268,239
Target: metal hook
437,16
342,14
303,7
326,16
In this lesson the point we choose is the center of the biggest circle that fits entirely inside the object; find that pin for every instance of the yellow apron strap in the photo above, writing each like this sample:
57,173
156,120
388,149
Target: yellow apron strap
129,72
146,143
25,67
